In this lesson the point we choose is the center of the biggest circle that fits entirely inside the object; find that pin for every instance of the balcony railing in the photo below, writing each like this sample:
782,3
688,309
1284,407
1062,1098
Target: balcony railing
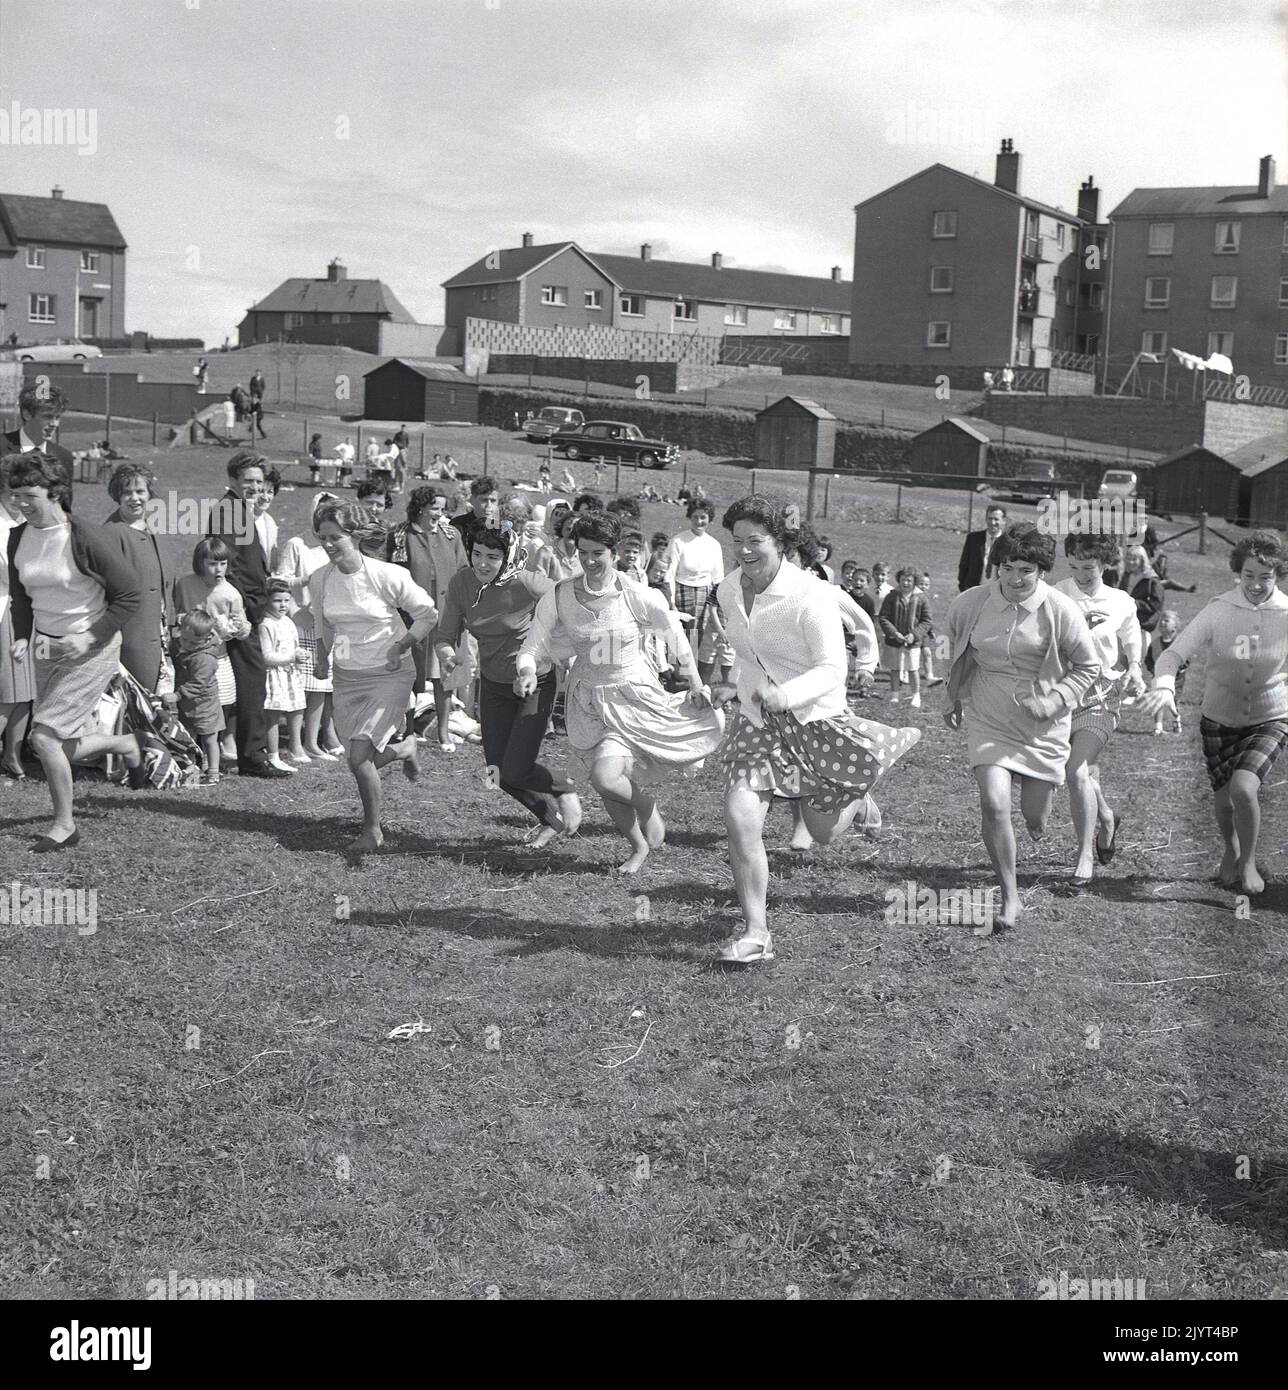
1073,361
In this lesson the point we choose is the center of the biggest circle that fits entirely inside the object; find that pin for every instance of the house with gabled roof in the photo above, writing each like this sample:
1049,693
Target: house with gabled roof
62,269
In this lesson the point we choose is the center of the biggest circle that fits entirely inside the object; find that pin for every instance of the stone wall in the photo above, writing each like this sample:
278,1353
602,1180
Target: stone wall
1228,426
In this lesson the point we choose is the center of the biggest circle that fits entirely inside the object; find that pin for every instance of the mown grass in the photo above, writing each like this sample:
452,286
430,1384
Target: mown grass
593,1110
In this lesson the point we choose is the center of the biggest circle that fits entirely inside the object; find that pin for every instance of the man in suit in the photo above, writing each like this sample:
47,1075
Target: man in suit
973,567
40,407
235,523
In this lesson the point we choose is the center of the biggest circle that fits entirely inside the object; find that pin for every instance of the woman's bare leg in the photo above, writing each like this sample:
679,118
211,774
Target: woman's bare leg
999,836
1245,801
1228,872
611,779
745,811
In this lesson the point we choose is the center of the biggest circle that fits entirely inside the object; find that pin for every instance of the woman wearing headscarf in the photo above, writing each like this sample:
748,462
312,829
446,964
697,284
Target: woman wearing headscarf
71,592
143,636
494,599
357,603
429,547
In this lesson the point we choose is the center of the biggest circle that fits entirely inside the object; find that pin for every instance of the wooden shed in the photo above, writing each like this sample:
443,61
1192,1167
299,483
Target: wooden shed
952,448
403,389
1192,481
797,434
1263,487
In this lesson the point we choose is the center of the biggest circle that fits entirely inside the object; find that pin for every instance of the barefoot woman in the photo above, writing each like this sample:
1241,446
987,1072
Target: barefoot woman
355,602
625,732
795,733
1244,636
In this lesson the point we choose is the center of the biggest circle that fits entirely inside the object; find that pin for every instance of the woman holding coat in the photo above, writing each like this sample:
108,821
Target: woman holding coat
143,637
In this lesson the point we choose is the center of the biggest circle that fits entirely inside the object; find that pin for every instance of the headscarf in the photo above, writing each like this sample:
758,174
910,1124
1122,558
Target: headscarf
511,542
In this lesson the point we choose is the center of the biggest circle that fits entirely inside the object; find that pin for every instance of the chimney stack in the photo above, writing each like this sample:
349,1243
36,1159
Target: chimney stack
1089,200
57,192
1266,177
1008,168
335,272
646,252
836,274
527,238
717,261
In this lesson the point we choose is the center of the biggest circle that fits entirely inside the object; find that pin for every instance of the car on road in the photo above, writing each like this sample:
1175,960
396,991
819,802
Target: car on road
1118,482
551,420
615,439
56,350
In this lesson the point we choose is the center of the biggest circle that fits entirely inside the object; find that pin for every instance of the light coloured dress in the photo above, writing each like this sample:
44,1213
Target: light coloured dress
616,706
283,685
299,561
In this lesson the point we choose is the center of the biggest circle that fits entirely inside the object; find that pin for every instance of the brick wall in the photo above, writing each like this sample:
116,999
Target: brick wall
1227,426
1155,426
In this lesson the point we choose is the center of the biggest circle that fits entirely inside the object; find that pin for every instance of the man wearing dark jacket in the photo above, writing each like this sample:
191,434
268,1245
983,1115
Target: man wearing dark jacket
973,567
39,409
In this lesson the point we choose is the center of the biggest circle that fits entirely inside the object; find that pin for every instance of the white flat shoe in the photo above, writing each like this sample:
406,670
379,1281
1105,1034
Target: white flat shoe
746,950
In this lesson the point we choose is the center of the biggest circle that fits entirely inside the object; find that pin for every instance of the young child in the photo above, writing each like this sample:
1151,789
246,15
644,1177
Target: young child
904,621
881,585
860,590
284,685
656,568
196,673
449,468
630,557
1162,637
544,482
928,642
208,589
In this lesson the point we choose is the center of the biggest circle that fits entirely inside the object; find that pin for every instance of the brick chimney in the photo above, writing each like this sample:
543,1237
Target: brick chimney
527,238
836,274
1008,168
335,272
1089,200
57,192
646,252
1266,177
717,261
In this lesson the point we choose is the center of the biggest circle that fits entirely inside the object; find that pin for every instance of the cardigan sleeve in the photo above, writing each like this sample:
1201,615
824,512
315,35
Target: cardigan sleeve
824,637
102,557
401,590
1078,653
451,619
923,626
886,619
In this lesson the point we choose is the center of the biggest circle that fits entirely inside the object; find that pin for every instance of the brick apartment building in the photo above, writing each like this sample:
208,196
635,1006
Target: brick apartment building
951,271
62,269
1203,270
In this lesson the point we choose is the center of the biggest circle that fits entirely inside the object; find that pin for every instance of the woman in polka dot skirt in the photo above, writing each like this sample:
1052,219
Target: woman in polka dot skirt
795,733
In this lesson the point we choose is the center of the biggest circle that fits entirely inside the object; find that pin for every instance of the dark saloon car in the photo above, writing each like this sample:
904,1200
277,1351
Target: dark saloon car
614,439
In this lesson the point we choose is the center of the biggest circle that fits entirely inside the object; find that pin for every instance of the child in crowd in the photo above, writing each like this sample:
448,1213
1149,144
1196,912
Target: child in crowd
374,495
208,589
544,483
928,643
284,685
656,568
881,585
860,590
630,557
905,621
827,573
626,510
315,460
344,451
1162,637
196,674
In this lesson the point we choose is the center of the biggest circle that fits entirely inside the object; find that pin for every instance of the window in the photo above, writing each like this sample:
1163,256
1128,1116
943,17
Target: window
632,306
1059,235
1227,238
1057,289
1160,238
41,308
1154,343
1286,233
784,318
487,293
827,324
939,333
340,318
941,279
35,258
594,299
943,224
1158,291
686,309
1068,294
1096,296
554,294
1281,349
294,320
1221,342
736,314
1225,291
89,261
1283,291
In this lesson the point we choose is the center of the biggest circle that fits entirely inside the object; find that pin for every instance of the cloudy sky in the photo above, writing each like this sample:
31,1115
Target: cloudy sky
241,142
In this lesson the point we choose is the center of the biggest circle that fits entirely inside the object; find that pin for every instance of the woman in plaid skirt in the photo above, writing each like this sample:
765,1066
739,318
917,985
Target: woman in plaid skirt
1244,636
694,566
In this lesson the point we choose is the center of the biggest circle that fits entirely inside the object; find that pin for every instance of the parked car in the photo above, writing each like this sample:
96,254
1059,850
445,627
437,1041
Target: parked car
615,439
1038,484
56,350
1118,482
551,420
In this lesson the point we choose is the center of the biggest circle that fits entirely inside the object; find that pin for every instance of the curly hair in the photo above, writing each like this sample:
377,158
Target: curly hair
354,520
38,395
481,487
804,545
126,473
1264,546
244,459
757,508
600,528
1102,548
33,469
1022,543
699,504
422,498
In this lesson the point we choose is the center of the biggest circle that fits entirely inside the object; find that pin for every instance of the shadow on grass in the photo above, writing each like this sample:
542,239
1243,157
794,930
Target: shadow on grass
1172,1173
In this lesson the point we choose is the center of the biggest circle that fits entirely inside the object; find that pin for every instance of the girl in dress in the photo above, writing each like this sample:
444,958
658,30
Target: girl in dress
197,687
905,624
1243,634
694,566
625,732
284,686
1022,659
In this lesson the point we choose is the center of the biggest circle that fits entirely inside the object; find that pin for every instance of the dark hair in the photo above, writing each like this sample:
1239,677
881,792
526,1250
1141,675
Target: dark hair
860,572
244,459
563,521
273,479
804,544
373,487
1023,543
422,498
699,504
212,548
912,574
1103,548
824,545
277,585
1265,546
354,520
659,538
38,395
994,507
491,538
759,509
601,528
480,487
625,506
588,499
633,536
849,565
124,474
33,469
199,621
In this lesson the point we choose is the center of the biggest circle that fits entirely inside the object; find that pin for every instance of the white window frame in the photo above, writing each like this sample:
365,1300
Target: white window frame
89,262
487,294
952,279
685,311
36,257
340,317
592,299
946,325
635,299
1146,346
785,319
1154,301
1281,349
940,229
1219,246
732,315
1059,235
1153,250
1219,334
1232,302
550,295
1283,291
828,323
293,320
49,314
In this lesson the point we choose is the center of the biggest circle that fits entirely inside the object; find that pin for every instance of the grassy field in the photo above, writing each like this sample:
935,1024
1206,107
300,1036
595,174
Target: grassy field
207,1082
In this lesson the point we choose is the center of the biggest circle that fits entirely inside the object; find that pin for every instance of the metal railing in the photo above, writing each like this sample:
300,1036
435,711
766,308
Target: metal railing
1074,362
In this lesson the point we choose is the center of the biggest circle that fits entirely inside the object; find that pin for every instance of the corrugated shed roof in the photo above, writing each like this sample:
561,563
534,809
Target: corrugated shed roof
60,220
1234,201
334,297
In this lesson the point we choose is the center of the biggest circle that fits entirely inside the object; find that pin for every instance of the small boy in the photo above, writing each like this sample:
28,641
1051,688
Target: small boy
1162,637
656,568
196,664
927,645
631,557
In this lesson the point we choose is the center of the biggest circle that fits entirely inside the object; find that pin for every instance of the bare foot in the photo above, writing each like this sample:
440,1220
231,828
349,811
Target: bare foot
655,830
635,862
1228,874
570,810
1252,881
367,843
406,754
801,839
544,836
1036,832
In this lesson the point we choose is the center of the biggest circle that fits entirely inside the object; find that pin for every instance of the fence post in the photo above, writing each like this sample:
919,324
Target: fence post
306,434
684,481
295,388
421,474
617,477
970,510
1203,517
898,500
154,429
827,493
883,417
753,480
809,496
485,458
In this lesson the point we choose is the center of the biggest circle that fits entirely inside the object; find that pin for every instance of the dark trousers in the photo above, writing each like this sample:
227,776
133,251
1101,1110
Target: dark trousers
250,673
512,741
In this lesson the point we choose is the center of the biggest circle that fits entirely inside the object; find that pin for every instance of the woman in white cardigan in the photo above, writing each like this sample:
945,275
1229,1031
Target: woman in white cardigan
795,734
356,601
1243,635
